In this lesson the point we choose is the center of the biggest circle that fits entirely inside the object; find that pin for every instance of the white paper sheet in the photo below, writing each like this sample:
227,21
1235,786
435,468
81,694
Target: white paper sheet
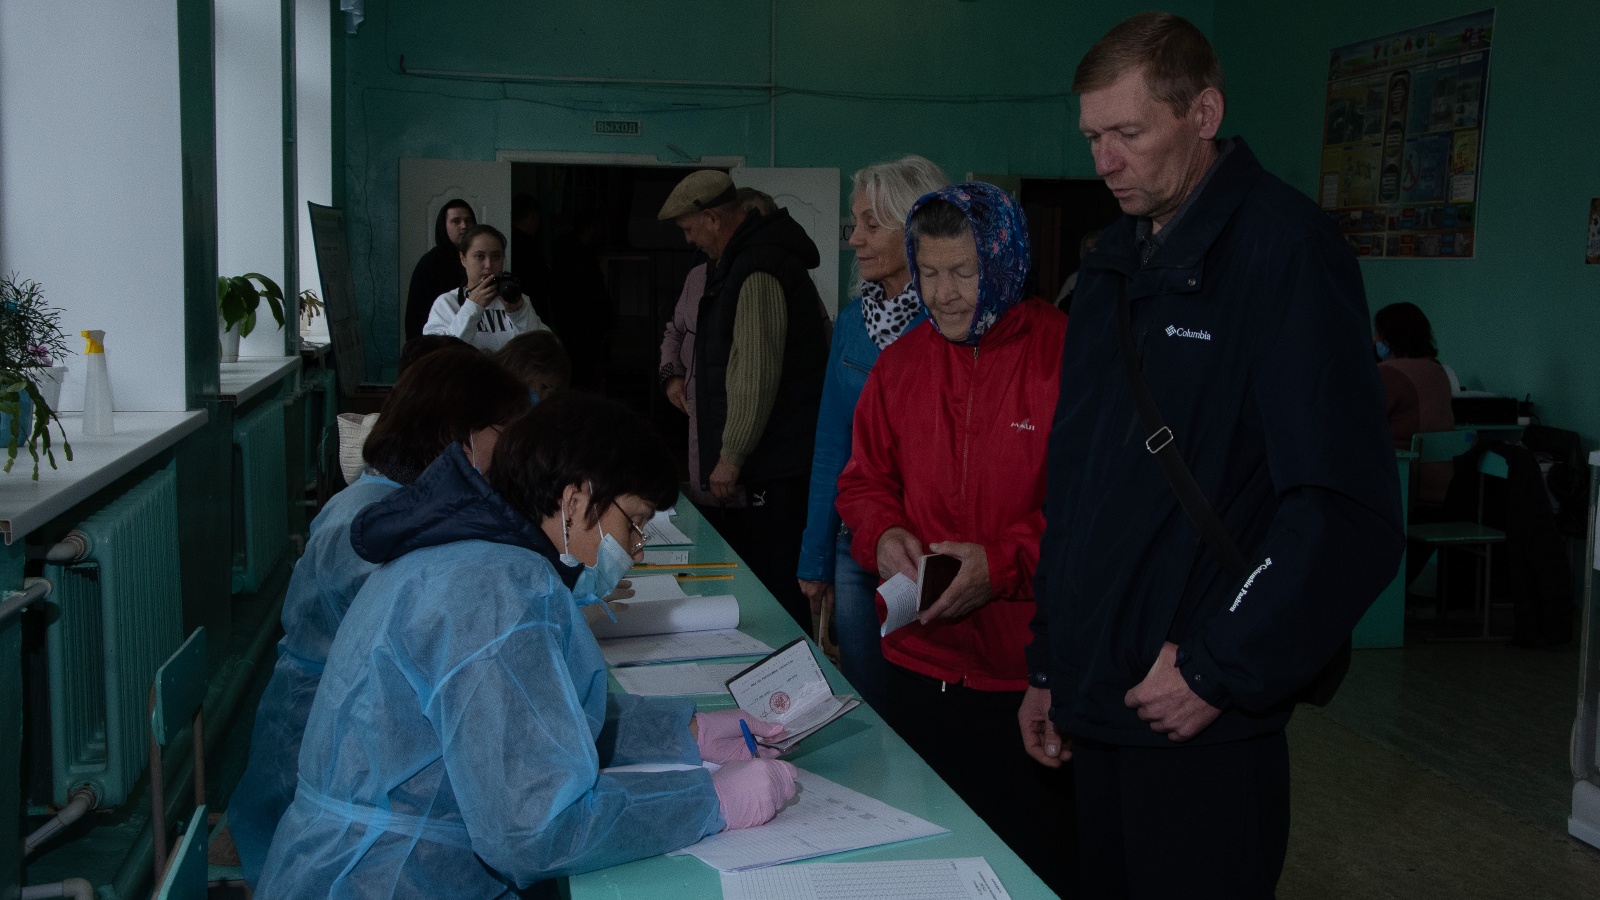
670,616
823,818
654,587
660,648
679,680
911,879
666,557
660,531
900,596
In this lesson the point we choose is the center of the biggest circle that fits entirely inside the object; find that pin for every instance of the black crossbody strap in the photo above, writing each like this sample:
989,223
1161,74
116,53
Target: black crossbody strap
1160,442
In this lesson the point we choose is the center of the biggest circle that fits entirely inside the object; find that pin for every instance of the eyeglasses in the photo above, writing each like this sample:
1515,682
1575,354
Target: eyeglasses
633,528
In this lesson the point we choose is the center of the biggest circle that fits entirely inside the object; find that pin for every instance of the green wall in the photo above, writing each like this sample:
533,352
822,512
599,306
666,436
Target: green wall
975,86
1521,317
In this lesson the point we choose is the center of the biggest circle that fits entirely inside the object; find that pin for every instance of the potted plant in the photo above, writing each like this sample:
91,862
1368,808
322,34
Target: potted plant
30,343
310,308
238,297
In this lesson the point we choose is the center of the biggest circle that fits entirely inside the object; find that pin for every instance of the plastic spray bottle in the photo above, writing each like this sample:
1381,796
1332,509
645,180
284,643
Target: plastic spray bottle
97,404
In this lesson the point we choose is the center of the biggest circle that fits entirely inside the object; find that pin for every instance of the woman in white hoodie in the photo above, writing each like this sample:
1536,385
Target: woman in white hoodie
487,311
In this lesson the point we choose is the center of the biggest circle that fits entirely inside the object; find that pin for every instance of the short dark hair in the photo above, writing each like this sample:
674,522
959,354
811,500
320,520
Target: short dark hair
938,218
1406,330
423,344
536,355
577,438
1177,59
441,400
472,234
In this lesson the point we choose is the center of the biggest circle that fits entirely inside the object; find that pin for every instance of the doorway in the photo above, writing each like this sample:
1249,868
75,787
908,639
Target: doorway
1060,212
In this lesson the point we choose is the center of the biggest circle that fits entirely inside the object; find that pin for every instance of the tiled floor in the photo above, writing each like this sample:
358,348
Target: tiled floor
1439,771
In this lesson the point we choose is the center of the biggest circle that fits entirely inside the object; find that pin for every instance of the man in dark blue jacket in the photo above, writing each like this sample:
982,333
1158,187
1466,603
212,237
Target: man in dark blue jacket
1167,679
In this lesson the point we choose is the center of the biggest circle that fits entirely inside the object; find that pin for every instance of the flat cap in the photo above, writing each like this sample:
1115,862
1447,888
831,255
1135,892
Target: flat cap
701,190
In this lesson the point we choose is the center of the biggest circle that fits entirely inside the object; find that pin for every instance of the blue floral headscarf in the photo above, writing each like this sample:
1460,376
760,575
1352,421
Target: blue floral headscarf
1001,233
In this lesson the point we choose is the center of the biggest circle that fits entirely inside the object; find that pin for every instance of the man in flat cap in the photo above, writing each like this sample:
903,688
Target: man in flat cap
761,349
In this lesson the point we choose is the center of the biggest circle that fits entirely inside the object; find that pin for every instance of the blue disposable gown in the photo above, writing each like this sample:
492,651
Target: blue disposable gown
324,582
455,746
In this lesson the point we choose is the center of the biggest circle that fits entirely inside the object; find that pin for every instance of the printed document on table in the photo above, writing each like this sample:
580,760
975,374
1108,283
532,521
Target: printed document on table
669,616
661,648
679,680
911,879
654,587
661,531
666,557
823,818
789,688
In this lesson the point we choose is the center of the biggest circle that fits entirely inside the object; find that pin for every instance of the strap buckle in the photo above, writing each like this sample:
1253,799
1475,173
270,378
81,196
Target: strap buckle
1164,436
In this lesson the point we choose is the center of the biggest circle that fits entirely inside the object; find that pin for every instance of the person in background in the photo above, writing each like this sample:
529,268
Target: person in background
1064,299
451,397
460,744
539,360
948,457
760,351
1167,657
677,350
1416,388
886,308
485,310
439,269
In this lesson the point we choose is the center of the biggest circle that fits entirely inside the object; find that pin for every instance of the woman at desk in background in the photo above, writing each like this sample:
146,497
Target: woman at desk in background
486,310
887,308
948,457
1417,387
457,745
454,396
439,269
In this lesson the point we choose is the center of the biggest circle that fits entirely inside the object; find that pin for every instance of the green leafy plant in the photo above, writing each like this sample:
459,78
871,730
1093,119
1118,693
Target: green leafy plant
30,340
310,307
238,297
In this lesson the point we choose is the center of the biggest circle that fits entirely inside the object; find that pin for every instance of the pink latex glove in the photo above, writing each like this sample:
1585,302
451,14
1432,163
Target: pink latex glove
718,736
751,791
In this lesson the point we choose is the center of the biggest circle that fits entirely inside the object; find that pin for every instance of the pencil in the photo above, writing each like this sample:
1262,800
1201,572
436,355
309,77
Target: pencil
726,565
704,577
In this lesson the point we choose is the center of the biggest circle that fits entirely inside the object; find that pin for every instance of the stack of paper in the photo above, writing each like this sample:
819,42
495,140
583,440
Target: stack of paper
823,818
660,648
911,879
678,680
661,531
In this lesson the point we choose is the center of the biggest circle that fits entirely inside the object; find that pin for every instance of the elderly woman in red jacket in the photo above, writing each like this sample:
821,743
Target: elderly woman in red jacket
949,457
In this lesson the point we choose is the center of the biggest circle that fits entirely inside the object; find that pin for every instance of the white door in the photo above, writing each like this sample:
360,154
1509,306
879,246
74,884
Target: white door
812,197
426,185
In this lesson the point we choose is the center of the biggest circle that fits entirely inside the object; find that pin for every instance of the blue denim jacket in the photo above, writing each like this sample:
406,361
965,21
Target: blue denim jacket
850,359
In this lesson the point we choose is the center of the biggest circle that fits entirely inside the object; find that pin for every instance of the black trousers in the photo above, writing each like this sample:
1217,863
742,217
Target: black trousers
766,535
971,740
1191,821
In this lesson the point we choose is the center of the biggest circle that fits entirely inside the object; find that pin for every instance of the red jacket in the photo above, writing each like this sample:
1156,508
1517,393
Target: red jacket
949,443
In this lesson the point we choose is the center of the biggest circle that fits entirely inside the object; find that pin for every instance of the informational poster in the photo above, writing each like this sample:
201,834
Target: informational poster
1403,136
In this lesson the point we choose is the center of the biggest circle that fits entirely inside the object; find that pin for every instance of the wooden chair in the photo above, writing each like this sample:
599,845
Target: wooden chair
1472,536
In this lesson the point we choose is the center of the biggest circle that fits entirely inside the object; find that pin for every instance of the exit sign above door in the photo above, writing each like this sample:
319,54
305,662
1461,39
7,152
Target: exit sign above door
618,126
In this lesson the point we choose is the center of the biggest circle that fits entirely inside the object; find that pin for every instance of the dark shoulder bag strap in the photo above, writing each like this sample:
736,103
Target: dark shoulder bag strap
1160,443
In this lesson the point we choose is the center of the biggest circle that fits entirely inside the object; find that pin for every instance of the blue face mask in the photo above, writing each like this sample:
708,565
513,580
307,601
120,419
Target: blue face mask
597,582
1383,350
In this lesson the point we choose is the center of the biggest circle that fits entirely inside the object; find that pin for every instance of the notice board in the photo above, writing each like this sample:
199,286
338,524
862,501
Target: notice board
1402,139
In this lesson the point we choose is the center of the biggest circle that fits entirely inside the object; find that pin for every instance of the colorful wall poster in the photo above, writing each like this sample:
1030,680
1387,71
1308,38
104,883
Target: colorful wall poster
1592,252
1402,138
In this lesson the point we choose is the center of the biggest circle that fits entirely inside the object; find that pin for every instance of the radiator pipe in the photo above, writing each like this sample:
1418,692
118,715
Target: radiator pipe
221,706
82,800
76,888
33,590
71,549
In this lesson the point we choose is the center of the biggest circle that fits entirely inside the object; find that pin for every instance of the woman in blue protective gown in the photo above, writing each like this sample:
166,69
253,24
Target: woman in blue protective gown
459,743
449,397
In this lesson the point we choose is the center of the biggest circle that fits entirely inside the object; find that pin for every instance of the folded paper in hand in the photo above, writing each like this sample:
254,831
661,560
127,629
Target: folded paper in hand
900,598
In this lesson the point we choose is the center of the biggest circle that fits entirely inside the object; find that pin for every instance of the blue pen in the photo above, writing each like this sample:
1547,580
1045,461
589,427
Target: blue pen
749,739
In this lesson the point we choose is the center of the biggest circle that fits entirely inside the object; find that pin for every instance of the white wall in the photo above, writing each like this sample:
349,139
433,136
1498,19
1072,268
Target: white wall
250,132
90,183
313,43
